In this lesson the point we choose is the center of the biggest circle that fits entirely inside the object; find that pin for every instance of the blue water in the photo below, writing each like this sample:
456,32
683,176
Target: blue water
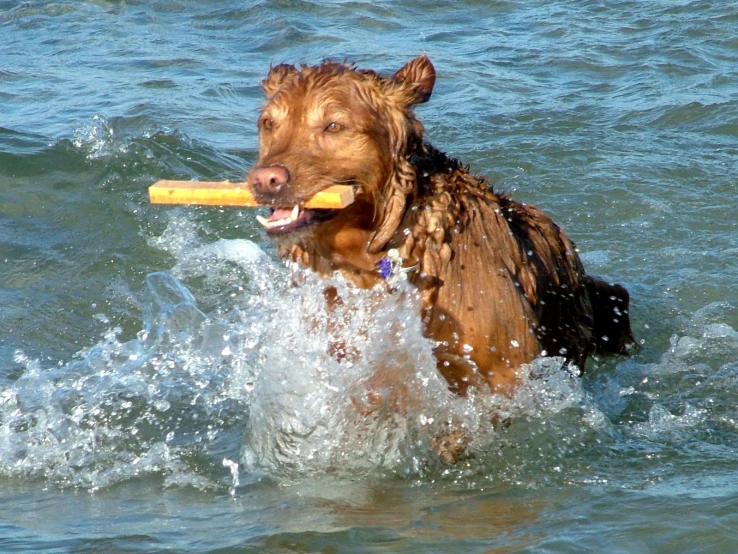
161,388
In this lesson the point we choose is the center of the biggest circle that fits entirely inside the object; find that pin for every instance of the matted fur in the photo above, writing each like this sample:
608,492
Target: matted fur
501,283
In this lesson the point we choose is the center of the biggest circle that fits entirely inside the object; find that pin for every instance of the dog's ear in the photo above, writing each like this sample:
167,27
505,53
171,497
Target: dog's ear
392,208
276,77
411,85
415,80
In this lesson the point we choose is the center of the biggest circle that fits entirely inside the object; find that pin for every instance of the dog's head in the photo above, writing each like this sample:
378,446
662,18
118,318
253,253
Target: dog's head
335,124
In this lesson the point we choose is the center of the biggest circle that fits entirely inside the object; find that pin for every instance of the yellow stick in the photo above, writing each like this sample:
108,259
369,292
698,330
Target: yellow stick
225,193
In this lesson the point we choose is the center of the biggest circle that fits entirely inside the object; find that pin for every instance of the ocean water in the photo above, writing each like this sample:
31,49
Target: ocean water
163,388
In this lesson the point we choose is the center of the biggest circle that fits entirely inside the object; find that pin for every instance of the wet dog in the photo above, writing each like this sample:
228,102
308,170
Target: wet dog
500,282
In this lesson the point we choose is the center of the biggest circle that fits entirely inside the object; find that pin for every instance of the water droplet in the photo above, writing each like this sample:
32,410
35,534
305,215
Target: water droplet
162,405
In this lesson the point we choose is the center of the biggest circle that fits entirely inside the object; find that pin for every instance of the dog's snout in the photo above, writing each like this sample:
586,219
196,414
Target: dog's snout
269,180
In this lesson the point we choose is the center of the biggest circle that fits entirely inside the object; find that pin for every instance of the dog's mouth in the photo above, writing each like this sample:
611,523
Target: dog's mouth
285,220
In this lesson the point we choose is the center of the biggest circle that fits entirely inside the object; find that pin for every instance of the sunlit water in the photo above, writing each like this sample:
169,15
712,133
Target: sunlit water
165,386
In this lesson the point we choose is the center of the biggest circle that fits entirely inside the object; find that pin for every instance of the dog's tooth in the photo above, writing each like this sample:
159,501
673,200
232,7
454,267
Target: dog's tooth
295,212
263,220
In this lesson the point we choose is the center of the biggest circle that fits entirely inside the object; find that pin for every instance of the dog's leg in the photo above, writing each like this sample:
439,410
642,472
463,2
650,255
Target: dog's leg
451,448
338,349
461,374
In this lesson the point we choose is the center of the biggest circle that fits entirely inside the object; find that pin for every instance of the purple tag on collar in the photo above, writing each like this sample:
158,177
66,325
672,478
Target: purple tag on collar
391,270
385,268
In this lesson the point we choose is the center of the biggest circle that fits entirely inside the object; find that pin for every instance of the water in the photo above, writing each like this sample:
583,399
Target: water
163,388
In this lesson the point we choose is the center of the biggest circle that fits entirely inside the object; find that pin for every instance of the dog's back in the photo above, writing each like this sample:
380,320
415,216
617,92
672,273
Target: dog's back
501,282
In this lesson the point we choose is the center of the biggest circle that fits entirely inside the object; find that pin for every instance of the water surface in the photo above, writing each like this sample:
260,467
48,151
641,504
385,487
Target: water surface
161,387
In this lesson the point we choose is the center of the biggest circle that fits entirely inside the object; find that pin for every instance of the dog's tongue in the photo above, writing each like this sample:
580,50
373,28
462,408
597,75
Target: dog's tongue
280,213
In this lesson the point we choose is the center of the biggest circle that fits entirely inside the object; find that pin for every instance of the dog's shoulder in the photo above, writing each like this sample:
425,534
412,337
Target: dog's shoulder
455,209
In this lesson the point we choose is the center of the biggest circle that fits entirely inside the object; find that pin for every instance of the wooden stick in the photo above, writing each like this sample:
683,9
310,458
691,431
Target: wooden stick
225,193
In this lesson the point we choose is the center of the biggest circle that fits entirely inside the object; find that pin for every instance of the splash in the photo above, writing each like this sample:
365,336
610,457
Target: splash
152,405
675,407
268,381
97,137
342,390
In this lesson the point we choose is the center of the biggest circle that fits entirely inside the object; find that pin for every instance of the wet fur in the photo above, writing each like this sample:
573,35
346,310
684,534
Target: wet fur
500,282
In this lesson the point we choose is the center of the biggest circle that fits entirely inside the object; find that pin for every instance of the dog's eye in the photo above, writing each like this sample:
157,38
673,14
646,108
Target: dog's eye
334,127
266,124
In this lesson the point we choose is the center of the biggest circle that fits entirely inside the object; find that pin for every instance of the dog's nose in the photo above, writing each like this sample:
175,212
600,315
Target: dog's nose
269,180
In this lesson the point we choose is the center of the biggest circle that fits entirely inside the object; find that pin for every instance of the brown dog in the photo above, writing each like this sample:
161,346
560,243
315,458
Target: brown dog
501,284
